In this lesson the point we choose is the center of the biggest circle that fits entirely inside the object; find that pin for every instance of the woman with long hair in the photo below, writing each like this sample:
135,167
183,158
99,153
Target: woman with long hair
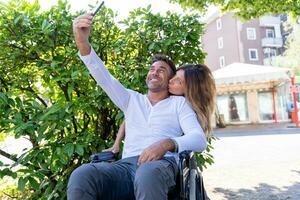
196,83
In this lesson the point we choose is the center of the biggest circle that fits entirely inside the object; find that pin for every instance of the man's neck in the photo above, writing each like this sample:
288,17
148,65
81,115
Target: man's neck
155,97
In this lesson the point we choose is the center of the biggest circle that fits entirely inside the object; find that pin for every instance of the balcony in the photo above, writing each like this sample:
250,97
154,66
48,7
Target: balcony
272,42
269,21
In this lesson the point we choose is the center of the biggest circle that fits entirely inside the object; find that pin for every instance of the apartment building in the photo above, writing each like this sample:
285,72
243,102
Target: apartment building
247,91
228,39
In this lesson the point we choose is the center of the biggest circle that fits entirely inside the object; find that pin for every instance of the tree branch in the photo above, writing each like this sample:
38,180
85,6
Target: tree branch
9,156
33,141
78,93
74,124
30,89
5,86
86,122
11,197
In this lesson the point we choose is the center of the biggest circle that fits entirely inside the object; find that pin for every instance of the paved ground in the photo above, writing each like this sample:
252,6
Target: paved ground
260,162
251,163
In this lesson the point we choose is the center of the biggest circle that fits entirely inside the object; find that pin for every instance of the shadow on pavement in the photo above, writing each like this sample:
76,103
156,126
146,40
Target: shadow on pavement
263,191
296,171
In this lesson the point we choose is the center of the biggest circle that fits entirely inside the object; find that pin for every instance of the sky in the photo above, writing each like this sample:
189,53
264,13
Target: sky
122,7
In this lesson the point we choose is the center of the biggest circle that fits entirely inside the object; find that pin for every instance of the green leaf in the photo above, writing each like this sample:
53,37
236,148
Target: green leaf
33,183
79,149
75,74
45,25
7,172
120,115
23,126
17,19
11,102
19,102
53,109
70,89
69,149
3,98
22,183
152,46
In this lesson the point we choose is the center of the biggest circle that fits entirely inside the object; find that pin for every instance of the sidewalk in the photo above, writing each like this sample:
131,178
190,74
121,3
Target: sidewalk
255,162
256,128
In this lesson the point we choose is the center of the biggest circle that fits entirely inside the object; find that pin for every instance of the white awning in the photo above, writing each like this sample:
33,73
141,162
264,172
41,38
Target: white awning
247,73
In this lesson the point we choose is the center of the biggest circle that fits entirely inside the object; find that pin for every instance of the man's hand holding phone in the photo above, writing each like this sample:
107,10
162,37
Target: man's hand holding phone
82,28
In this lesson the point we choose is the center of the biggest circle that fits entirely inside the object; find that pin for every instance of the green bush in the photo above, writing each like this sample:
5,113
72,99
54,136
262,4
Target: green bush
48,97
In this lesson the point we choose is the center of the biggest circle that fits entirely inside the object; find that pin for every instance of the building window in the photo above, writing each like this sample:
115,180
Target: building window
220,42
219,24
270,33
253,55
233,107
272,52
251,34
265,106
269,52
222,61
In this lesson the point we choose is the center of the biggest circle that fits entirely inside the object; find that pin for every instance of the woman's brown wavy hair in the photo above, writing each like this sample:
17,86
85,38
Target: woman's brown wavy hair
201,93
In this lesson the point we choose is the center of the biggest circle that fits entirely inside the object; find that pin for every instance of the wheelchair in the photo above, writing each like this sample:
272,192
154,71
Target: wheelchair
189,182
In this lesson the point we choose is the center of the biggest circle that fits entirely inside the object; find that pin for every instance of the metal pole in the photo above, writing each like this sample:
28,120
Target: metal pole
295,102
274,105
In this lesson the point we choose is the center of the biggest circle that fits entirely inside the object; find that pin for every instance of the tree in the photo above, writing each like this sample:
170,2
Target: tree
48,97
290,57
244,8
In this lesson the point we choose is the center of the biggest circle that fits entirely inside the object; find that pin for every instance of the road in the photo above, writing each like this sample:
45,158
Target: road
262,164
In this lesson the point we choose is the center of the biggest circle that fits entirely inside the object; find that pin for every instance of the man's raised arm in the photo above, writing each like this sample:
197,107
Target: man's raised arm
112,87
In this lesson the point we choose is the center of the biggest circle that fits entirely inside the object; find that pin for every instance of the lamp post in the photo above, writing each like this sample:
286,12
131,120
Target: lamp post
293,90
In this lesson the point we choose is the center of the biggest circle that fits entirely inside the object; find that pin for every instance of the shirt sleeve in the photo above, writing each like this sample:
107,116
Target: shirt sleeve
113,88
193,138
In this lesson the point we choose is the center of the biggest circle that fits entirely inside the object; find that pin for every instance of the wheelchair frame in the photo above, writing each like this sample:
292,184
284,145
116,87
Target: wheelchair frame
190,178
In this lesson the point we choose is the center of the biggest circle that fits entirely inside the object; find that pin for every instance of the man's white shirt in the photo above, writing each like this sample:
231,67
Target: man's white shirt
146,124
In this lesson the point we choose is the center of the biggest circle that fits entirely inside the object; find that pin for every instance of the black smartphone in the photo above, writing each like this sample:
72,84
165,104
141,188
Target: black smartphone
103,157
97,8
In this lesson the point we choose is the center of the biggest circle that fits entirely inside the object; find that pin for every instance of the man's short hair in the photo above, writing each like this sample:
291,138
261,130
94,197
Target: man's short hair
159,57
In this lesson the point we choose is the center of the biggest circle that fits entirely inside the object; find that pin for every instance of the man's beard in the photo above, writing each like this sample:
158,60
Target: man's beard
157,88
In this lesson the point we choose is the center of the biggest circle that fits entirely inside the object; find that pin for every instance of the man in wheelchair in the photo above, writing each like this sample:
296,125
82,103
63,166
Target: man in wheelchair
154,126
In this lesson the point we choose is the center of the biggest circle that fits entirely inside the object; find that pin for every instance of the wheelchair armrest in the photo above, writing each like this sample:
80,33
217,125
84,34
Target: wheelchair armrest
185,159
186,155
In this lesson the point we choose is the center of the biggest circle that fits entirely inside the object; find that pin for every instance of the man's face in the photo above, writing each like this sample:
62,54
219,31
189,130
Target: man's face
158,76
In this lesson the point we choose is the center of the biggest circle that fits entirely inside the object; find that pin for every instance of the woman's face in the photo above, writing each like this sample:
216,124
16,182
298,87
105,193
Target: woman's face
177,84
